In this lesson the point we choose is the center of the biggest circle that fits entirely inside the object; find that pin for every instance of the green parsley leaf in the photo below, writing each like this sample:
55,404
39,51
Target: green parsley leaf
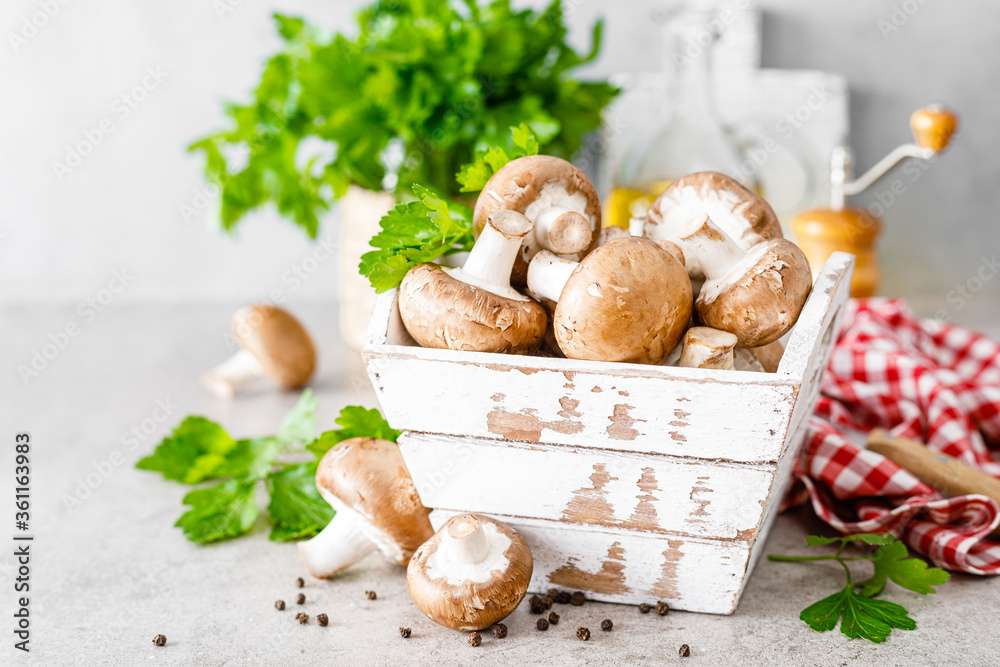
874,539
219,512
193,452
474,176
251,458
355,422
296,508
892,561
859,616
299,425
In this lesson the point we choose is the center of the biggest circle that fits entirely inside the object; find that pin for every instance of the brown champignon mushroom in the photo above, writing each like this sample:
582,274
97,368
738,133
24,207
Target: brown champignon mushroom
556,196
750,281
377,505
471,574
763,359
705,347
475,308
273,344
628,300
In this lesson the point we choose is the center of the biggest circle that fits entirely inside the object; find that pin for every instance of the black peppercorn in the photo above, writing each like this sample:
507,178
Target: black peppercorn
160,640
499,630
583,634
535,605
371,595
405,633
300,582
561,597
684,651
553,618
547,601
662,608
279,605
577,599
302,618
542,624
323,619
300,598
606,625
475,639
644,608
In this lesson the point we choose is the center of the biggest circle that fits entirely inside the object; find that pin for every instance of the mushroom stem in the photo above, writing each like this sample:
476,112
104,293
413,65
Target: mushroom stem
466,540
548,274
492,257
563,231
705,347
338,546
708,250
239,369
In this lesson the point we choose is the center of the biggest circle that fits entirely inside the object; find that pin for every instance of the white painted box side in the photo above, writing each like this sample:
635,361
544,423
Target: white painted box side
687,497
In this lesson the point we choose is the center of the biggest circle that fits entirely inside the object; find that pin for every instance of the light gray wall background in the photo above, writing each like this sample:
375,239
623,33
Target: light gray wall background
98,200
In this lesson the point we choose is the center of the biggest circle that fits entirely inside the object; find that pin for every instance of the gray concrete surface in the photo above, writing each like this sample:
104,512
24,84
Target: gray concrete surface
110,571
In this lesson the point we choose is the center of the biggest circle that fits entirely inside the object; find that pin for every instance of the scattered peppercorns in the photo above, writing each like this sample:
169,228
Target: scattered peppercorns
607,625
662,608
644,608
302,618
535,605
371,595
684,651
323,619
542,624
160,640
300,582
577,599
279,605
561,597
499,630
300,598
583,634
405,633
553,618
475,639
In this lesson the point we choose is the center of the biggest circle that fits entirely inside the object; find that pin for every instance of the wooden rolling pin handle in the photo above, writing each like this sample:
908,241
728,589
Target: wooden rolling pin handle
946,474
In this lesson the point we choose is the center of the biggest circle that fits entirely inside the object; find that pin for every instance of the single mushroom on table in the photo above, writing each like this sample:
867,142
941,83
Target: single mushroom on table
273,344
557,197
752,282
367,483
471,574
705,347
474,308
628,300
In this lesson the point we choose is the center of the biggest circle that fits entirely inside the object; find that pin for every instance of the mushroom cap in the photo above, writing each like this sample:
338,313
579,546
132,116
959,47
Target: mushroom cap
464,596
368,476
759,298
278,341
443,312
733,209
628,300
520,183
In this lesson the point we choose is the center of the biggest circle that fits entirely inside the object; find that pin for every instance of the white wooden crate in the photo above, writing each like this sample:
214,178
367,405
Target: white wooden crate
667,478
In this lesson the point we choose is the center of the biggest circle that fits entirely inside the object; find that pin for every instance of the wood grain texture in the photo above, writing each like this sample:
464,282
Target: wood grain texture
686,497
630,568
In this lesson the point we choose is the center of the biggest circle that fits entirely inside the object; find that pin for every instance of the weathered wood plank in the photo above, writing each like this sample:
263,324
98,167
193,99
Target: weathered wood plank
630,568
600,488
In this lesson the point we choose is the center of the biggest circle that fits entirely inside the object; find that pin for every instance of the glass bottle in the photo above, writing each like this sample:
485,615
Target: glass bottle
694,138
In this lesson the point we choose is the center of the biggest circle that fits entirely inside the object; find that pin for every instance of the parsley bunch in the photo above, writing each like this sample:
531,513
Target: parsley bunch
200,450
410,97
855,606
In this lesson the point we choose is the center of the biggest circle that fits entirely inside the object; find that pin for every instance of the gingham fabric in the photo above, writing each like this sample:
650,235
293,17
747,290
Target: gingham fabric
922,379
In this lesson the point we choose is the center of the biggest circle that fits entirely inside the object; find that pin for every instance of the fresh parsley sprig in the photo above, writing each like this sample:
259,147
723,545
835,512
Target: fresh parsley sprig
200,450
855,605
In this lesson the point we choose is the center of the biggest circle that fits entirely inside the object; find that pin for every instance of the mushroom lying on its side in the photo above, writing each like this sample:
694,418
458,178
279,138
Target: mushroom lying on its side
705,347
273,344
471,574
474,308
557,197
628,300
366,481
753,283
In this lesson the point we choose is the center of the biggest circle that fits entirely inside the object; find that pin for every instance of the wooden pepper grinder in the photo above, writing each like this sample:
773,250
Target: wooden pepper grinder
822,231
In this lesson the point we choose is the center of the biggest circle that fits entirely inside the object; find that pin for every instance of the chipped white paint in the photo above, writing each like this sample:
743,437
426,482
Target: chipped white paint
716,448
625,567
601,488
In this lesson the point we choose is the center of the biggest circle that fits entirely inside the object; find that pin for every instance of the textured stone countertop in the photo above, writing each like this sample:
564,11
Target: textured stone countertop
109,571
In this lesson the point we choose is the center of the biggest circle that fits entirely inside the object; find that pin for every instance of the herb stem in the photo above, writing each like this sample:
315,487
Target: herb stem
778,558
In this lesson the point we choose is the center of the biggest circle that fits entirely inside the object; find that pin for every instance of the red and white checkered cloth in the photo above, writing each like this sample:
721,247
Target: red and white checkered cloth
922,379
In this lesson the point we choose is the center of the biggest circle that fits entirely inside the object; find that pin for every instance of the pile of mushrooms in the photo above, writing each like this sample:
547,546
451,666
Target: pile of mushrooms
705,280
